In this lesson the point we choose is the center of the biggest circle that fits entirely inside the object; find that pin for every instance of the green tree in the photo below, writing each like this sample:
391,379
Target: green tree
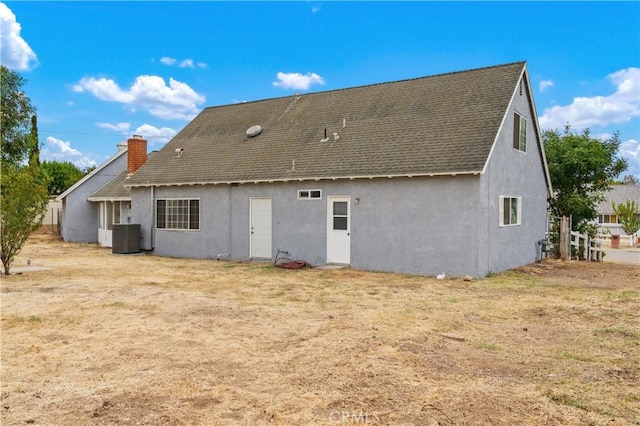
34,143
16,117
62,174
629,216
582,168
23,188
23,192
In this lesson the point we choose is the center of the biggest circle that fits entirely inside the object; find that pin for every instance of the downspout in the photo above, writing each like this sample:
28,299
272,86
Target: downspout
228,254
153,218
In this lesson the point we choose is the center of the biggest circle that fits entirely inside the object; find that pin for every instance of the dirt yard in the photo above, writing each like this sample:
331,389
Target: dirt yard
142,340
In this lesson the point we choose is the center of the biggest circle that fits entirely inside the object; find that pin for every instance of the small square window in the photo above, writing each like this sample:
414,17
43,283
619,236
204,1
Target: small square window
340,223
309,194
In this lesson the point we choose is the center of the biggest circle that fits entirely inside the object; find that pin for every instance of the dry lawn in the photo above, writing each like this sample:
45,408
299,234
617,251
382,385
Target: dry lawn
138,339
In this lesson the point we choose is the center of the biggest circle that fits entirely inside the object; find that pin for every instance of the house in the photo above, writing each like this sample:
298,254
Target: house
608,221
93,204
445,173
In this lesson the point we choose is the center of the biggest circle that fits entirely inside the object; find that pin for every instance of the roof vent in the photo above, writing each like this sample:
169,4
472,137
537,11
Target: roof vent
325,139
254,131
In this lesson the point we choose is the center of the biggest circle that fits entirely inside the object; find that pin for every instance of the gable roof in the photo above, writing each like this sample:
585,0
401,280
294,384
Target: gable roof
443,124
619,194
122,151
113,191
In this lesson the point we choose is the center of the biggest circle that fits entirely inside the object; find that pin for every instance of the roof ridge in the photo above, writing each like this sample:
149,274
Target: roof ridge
370,85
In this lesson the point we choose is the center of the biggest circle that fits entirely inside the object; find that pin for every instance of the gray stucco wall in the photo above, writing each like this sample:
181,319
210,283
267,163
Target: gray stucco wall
81,217
411,225
511,172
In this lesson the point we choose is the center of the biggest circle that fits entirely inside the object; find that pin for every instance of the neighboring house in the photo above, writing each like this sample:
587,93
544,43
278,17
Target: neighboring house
436,174
99,199
608,221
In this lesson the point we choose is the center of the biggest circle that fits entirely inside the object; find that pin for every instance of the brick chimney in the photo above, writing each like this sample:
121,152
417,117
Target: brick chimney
136,153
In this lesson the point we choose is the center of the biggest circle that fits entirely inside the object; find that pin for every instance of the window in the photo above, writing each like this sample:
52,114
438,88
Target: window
608,218
340,215
116,212
178,214
109,214
309,194
510,208
519,132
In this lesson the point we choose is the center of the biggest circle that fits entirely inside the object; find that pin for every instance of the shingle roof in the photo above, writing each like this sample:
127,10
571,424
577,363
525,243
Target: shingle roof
441,124
94,172
113,190
619,194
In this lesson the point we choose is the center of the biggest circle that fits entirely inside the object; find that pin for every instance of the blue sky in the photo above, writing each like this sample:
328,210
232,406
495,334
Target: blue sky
99,72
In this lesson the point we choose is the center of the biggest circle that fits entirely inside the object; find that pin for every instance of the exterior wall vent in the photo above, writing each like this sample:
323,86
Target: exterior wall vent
254,131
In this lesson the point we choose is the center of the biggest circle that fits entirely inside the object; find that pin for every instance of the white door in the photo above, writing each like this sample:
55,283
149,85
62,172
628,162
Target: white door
106,222
260,228
110,213
338,230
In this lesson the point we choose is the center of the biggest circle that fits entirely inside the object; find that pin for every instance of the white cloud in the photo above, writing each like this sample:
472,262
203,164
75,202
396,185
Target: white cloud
184,63
154,135
630,150
620,107
175,101
118,127
545,84
315,8
296,80
15,52
104,89
59,150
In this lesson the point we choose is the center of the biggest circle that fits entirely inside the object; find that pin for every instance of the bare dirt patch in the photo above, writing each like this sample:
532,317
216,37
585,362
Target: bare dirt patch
138,339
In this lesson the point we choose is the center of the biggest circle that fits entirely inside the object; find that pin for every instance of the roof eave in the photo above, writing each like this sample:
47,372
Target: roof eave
96,199
302,179
525,74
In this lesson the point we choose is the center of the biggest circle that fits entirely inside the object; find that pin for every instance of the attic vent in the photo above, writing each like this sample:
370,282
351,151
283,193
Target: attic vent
254,131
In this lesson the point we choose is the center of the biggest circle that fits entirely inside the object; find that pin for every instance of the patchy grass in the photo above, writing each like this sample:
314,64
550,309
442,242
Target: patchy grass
12,321
175,341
